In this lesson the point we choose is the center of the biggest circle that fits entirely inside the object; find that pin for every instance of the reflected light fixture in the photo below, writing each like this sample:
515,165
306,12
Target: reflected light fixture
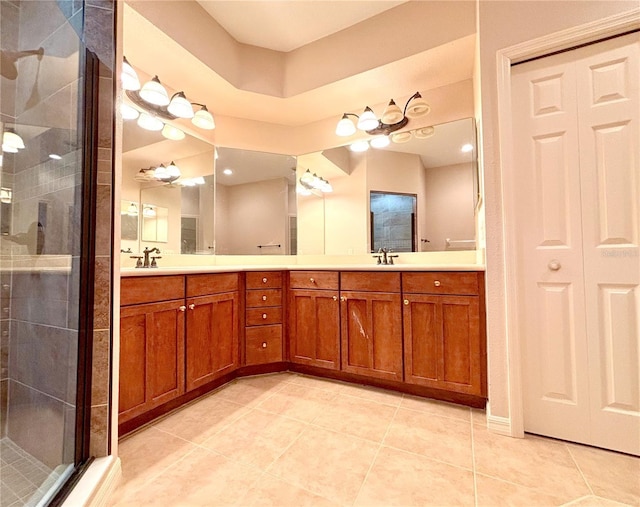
359,146
393,118
148,122
5,195
173,133
148,211
228,172
397,137
11,142
128,112
132,210
154,100
466,148
54,156
309,182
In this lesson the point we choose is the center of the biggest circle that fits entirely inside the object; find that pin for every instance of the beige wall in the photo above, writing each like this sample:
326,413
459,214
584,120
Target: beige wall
503,24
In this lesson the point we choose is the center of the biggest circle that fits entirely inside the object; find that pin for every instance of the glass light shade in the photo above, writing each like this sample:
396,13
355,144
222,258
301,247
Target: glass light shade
368,120
198,180
325,186
148,122
5,195
9,149
401,137
466,148
129,77
418,107
424,132
204,119
316,183
359,146
392,114
149,211
227,171
173,133
173,170
154,93
161,173
345,127
303,190
180,106
132,210
307,178
128,112
380,142
12,139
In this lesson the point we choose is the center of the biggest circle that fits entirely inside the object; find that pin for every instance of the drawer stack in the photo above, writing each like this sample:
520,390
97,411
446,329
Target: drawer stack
263,318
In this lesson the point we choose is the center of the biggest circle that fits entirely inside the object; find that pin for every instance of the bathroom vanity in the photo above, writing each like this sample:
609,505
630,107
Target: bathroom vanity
404,328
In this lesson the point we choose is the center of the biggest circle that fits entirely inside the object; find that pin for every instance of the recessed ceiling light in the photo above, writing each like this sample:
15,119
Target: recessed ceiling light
227,172
466,148
54,156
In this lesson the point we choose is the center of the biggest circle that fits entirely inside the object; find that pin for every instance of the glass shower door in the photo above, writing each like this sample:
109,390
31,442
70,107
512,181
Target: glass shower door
42,228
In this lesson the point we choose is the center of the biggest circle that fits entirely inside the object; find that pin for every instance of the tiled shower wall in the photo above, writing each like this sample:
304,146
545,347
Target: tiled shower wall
47,386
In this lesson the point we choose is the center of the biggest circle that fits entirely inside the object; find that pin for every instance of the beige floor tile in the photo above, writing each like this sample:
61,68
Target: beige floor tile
201,420
332,465
271,491
316,382
441,408
250,391
147,454
532,461
494,492
298,402
610,474
257,438
405,479
594,501
479,417
202,478
372,394
440,438
356,416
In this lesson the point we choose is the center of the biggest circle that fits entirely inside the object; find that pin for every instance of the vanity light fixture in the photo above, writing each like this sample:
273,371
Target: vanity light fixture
393,118
149,122
5,195
309,182
153,100
161,173
128,112
54,156
397,137
191,182
11,142
148,211
132,210
173,133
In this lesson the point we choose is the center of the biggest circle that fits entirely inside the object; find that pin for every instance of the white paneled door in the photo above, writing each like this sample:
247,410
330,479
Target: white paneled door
576,141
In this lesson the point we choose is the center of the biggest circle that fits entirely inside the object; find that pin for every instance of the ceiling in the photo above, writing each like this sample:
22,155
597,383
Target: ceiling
288,25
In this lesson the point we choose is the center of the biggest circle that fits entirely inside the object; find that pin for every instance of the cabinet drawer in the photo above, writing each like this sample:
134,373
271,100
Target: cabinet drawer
263,344
150,289
314,280
264,279
203,285
441,282
370,281
258,298
263,316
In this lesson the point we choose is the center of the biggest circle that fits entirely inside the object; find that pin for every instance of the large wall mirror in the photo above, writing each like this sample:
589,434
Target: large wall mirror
174,214
415,196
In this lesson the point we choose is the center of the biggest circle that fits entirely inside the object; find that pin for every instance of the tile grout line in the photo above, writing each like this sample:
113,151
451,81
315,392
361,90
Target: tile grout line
375,456
575,461
473,460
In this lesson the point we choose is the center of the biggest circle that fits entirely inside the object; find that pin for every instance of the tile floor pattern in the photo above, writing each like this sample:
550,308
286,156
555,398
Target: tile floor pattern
23,479
290,440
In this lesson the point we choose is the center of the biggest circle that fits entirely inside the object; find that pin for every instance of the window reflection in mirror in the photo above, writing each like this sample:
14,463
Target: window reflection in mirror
129,218
393,221
255,203
438,166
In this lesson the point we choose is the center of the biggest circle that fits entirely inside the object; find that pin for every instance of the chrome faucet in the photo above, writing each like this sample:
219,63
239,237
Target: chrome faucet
384,257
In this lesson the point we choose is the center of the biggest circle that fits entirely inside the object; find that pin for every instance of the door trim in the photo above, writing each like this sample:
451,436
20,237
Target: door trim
505,58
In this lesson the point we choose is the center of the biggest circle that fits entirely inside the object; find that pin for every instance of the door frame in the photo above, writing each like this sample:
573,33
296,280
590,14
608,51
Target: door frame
505,58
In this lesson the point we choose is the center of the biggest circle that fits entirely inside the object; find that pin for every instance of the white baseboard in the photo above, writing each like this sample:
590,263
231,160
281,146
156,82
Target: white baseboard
500,425
97,484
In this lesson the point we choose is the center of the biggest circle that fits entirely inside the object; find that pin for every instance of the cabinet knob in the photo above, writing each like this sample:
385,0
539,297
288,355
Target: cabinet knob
264,280
335,298
342,298
192,306
312,280
264,345
264,315
437,283
554,265
406,301
182,308
264,298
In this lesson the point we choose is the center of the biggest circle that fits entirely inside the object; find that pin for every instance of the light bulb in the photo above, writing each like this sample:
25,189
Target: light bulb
368,120
345,127
466,148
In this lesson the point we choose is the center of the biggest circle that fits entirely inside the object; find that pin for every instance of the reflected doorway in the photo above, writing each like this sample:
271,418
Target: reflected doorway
393,221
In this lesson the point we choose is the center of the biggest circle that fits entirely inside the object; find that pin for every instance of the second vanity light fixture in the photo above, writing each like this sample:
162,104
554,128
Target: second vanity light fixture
161,173
393,118
156,105
310,182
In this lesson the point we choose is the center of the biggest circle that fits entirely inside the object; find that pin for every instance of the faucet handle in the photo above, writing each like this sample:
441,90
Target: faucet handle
139,260
378,258
154,264
390,258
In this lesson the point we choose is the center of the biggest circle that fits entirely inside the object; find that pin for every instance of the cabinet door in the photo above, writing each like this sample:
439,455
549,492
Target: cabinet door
314,328
212,337
151,356
372,334
442,343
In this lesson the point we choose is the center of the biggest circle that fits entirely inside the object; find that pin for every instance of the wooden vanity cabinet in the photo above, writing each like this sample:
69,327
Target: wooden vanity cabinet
151,343
371,321
263,318
444,344
314,319
212,343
